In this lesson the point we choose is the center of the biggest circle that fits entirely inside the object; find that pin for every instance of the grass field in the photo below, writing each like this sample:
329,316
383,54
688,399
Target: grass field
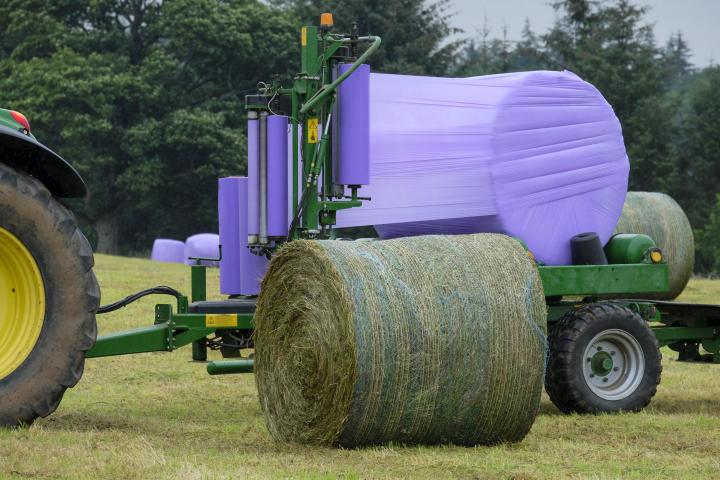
156,416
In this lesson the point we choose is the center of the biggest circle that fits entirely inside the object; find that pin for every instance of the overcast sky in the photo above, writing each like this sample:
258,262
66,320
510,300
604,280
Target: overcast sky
698,20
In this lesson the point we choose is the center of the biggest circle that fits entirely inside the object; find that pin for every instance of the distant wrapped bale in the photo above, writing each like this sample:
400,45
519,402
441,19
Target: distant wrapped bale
660,217
422,340
202,245
168,250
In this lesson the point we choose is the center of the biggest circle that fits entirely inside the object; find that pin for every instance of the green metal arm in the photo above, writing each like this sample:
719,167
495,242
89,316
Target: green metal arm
171,331
328,89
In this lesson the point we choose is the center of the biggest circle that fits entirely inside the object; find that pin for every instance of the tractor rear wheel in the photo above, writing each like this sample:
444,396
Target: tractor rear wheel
603,358
48,299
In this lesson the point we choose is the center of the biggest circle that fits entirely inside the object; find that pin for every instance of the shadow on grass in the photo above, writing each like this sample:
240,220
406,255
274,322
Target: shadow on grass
95,422
707,405
227,434
661,406
549,409
248,439
246,431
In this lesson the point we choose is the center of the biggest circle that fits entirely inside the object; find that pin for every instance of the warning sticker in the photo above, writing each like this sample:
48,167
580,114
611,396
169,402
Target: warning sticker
221,320
312,130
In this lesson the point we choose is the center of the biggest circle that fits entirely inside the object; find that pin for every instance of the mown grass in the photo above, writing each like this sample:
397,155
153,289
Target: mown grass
160,416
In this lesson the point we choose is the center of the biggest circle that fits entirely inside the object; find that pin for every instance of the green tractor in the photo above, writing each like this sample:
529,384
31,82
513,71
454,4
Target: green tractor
48,292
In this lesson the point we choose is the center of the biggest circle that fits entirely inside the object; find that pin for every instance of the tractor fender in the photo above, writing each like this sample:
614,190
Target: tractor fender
22,152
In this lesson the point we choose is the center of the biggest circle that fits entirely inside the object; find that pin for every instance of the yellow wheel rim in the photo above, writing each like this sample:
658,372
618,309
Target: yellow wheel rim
22,303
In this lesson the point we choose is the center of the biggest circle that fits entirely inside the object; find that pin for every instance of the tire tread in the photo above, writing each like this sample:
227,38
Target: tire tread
564,340
83,334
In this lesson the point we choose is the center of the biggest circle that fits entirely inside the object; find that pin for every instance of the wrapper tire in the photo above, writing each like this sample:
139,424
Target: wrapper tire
565,382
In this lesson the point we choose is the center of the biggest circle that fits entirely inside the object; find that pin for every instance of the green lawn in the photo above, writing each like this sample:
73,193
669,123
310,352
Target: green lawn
158,415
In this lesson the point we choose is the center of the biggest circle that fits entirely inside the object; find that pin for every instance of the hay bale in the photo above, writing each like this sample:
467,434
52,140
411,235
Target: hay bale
660,217
431,339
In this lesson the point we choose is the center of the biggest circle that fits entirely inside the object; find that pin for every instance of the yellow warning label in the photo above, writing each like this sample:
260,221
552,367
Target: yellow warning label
312,130
303,36
221,320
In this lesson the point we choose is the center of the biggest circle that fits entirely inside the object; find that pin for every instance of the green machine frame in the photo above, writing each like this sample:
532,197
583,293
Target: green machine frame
311,98
673,323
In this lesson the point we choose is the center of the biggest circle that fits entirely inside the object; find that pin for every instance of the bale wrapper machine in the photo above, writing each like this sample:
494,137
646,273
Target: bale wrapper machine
604,338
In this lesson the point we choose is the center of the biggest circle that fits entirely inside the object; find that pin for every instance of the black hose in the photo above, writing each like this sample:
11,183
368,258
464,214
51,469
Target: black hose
160,290
296,218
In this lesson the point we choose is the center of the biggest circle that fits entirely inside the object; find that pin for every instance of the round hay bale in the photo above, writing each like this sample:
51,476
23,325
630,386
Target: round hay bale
422,340
662,219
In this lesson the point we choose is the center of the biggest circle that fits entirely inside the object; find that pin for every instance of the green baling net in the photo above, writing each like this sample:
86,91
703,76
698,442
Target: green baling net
422,340
660,217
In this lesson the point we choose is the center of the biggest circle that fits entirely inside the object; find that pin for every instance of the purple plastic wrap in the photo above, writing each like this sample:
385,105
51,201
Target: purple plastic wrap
167,250
202,245
253,143
277,176
240,270
252,270
233,231
352,165
277,193
536,155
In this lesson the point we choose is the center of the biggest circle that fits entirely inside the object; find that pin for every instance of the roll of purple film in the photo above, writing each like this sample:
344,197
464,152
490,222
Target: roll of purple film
535,155
240,271
352,166
277,190
253,167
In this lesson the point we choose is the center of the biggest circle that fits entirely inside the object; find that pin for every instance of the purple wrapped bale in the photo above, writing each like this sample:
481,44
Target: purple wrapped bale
253,145
167,250
240,270
352,165
202,245
536,155
277,191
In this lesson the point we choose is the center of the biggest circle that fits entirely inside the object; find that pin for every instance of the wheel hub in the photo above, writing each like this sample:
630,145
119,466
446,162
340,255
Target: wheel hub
601,363
22,303
614,364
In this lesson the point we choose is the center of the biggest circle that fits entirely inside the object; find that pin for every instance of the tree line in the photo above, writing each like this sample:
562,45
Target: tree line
145,97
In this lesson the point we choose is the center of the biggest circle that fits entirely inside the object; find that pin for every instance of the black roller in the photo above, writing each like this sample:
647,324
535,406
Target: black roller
587,250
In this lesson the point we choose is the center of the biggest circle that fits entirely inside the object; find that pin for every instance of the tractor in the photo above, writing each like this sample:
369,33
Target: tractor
48,292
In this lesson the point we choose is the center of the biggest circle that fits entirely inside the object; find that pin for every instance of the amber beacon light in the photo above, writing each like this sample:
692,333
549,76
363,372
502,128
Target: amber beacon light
326,20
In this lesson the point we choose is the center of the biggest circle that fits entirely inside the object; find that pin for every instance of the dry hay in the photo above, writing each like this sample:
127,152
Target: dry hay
662,219
434,339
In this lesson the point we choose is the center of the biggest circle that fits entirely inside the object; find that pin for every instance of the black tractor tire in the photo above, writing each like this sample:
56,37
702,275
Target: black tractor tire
72,295
578,382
